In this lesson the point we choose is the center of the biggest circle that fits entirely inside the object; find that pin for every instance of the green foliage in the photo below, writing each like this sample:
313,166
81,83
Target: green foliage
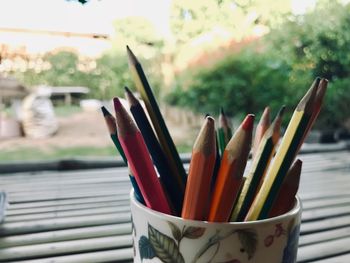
190,19
52,153
279,69
242,83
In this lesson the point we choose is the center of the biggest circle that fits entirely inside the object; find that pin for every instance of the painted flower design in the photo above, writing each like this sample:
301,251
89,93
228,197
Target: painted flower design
290,251
167,248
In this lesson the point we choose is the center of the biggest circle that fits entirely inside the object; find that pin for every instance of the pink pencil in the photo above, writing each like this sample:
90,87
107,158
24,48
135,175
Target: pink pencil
139,160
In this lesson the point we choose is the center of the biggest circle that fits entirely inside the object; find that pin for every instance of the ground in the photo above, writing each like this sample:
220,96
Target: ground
82,133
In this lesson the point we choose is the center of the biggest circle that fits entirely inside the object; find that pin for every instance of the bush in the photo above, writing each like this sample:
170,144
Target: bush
280,70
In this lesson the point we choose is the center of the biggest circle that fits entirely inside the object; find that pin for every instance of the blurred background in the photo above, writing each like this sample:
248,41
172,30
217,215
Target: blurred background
60,60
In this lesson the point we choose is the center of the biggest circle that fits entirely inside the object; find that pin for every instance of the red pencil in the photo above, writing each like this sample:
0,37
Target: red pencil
289,188
139,160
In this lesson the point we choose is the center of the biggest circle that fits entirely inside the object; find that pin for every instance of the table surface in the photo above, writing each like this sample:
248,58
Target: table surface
84,216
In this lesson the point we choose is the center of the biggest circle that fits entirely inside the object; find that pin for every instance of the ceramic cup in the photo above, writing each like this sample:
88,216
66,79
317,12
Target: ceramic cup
158,237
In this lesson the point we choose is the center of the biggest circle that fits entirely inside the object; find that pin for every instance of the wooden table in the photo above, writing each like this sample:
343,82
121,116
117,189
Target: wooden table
83,216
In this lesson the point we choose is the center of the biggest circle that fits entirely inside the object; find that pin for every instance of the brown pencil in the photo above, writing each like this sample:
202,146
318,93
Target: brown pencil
321,92
229,178
200,172
289,188
258,168
261,128
285,155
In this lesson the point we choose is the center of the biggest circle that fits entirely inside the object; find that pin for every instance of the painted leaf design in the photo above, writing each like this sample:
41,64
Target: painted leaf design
165,247
175,230
146,248
133,226
194,232
249,241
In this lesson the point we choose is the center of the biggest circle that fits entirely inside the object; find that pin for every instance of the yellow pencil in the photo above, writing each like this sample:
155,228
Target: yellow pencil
285,155
261,160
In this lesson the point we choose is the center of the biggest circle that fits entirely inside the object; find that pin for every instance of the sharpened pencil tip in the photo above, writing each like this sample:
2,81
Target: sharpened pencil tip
117,103
105,111
127,89
133,101
281,111
222,110
209,118
131,56
248,122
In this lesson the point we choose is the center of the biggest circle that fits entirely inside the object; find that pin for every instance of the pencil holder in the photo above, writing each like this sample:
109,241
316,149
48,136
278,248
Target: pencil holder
159,237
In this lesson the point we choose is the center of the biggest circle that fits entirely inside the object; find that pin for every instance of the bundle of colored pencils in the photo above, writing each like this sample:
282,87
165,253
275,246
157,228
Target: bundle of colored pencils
216,189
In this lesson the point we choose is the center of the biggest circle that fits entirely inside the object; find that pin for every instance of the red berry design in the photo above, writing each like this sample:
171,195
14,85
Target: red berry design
268,240
278,230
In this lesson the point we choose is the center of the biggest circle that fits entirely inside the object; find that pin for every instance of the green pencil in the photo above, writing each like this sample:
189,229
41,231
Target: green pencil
258,168
285,155
158,122
224,131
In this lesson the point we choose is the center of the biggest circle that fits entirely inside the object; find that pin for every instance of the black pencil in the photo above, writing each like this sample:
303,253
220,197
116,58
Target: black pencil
158,122
168,179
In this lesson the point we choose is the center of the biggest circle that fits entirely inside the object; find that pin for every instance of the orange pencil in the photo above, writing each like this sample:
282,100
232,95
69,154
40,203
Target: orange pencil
261,128
139,160
289,188
200,172
229,178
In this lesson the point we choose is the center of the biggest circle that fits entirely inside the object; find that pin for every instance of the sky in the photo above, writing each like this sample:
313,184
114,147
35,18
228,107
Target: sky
96,16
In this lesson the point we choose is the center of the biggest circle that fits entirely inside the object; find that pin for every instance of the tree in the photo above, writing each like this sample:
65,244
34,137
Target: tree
189,19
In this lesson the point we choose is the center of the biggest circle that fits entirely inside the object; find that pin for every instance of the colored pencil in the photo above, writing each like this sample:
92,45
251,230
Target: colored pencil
230,174
321,91
289,188
258,168
261,128
224,131
285,155
217,159
168,179
112,128
200,173
158,122
217,163
139,160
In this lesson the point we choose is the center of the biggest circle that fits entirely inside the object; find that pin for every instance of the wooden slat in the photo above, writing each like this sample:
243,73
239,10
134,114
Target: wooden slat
65,247
325,212
62,223
64,235
82,200
70,213
83,216
116,255
322,250
58,208
321,225
324,236
336,259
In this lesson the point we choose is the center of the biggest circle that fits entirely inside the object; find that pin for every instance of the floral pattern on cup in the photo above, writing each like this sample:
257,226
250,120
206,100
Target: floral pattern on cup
167,248
160,238
290,251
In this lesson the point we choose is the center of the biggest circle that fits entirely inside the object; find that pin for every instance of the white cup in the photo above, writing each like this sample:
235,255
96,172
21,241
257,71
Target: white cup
159,237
